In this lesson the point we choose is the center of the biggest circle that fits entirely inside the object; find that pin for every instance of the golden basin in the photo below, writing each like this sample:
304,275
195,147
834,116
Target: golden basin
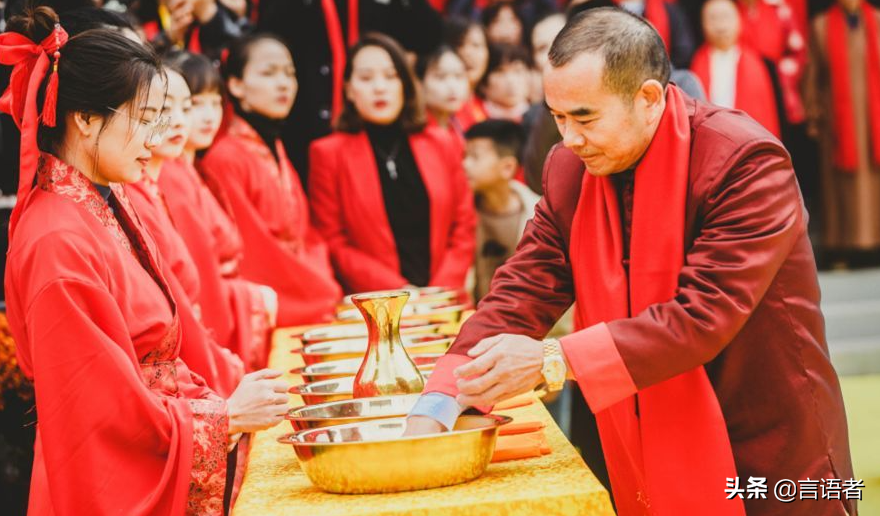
350,411
336,389
356,348
413,309
375,457
349,367
419,294
349,331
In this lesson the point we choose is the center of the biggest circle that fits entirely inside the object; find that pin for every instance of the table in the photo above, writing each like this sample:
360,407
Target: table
558,483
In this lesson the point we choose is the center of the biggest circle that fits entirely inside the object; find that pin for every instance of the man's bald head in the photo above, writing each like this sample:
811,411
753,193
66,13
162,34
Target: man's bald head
632,50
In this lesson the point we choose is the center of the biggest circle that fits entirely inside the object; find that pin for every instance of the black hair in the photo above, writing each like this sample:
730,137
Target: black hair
491,12
82,19
99,71
503,55
507,137
239,53
630,46
412,116
199,72
428,61
456,29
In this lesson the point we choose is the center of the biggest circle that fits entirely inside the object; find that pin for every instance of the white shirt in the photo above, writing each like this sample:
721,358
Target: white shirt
722,70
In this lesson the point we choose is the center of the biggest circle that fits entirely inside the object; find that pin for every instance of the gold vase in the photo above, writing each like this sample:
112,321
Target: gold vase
386,368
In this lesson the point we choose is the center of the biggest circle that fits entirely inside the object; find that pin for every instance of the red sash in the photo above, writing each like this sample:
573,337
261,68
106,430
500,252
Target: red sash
338,47
673,455
754,89
846,156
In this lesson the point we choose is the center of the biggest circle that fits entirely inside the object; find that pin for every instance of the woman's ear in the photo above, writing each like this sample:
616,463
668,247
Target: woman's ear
235,86
86,124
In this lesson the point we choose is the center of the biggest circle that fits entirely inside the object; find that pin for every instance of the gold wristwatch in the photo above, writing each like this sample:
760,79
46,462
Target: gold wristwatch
554,369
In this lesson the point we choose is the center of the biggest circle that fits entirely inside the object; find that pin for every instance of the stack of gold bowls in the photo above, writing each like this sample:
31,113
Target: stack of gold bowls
349,445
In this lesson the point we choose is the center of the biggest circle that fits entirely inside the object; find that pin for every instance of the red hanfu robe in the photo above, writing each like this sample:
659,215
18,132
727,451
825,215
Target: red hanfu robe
349,210
232,307
281,249
123,425
754,89
220,368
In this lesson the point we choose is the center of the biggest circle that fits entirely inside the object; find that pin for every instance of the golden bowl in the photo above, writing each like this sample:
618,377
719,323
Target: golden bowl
349,367
356,348
375,457
350,331
419,294
336,389
350,411
419,309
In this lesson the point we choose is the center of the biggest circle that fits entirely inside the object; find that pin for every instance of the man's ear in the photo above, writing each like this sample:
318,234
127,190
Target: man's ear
652,95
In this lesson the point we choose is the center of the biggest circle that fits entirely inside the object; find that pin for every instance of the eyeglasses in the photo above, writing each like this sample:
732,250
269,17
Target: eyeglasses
157,127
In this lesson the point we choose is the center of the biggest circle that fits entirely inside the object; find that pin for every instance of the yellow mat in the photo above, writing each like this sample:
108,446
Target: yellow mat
861,394
559,483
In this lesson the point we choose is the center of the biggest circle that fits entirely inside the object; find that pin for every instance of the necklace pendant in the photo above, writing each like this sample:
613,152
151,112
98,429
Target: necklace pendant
392,168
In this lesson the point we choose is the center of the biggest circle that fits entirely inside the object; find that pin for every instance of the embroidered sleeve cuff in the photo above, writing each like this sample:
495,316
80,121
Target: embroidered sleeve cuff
598,367
439,407
208,474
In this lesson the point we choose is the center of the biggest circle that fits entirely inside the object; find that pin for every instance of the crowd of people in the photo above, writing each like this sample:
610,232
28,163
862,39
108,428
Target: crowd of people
180,177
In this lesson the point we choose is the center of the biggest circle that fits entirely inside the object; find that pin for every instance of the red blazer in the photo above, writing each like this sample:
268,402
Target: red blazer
747,305
347,208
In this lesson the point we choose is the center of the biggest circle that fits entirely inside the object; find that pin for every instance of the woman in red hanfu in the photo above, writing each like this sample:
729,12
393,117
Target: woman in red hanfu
390,196
220,368
281,249
123,425
240,313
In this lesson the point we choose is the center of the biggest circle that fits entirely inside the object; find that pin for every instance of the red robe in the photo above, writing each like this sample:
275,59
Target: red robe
281,249
348,209
754,89
746,308
471,113
123,425
232,307
220,368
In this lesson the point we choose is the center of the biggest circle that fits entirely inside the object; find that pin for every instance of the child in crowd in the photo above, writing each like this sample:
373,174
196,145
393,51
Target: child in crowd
503,204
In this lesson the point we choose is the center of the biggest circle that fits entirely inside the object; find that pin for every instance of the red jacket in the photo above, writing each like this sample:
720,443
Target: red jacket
747,307
347,208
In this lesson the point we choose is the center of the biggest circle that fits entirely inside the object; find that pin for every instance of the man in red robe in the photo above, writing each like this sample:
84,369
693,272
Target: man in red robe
678,229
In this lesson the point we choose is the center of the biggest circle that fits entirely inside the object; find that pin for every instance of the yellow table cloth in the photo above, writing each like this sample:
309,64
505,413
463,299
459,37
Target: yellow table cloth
555,484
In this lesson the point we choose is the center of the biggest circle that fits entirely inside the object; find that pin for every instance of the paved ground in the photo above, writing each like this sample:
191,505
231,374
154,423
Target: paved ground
851,303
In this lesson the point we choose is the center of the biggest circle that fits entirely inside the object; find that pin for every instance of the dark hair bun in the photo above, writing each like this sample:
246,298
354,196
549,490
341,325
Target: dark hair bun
36,23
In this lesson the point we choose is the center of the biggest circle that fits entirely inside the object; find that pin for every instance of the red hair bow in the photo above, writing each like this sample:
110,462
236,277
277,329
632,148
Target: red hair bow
30,63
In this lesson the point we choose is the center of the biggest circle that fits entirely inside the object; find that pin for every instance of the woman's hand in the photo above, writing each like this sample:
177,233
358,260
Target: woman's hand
259,402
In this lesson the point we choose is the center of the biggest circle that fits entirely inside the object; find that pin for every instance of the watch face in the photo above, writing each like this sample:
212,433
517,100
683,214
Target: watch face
554,371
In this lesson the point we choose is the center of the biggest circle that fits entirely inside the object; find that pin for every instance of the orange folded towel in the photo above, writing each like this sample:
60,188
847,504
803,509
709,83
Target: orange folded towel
520,446
521,427
517,401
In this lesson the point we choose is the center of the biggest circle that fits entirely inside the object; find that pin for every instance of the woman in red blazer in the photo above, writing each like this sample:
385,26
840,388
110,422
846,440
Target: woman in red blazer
390,196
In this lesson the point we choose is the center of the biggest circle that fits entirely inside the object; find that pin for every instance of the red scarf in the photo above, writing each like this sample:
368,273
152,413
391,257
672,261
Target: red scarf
754,89
846,155
338,48
674,455
30,63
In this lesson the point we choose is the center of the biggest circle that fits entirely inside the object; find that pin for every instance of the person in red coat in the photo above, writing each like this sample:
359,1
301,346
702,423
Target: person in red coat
122,422
678,230
389,196
239,313
734,75
281,248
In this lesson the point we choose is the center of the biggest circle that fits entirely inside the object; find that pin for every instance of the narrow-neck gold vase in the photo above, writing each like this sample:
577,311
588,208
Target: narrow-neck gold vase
387,368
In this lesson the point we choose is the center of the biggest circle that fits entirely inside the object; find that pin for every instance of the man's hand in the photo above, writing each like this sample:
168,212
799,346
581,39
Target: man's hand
422,425
503,366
